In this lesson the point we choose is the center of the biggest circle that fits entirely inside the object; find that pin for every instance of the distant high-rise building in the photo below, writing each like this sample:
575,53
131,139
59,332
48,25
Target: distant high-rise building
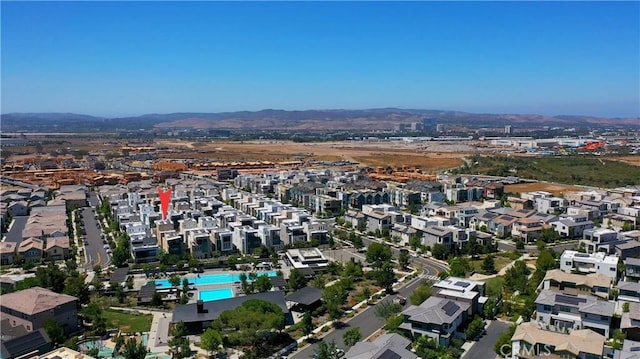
507,129
440,127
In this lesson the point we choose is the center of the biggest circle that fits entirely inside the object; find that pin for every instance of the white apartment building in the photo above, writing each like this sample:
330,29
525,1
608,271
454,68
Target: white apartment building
571,261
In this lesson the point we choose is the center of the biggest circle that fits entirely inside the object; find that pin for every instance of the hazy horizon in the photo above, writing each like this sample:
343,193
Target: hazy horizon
120,59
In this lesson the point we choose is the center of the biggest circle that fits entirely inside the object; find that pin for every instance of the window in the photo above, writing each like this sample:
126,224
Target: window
604,317
612,269
567,263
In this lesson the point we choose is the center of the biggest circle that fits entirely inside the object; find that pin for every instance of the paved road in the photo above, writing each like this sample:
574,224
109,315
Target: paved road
96,253
93,200
483,348
15,232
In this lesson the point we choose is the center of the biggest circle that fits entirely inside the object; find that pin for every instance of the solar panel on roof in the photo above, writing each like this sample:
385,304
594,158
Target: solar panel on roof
569,300
450,308
635,349
582,255
389,354
462,284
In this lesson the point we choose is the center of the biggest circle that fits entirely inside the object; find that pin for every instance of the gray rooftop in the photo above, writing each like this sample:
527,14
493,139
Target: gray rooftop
436,311
188,313
387,346
584,303
305,296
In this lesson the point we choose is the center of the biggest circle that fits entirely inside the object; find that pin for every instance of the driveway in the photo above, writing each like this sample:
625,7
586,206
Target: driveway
15,232
483,349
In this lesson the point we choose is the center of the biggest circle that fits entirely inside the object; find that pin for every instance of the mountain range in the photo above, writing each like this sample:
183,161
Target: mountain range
307,120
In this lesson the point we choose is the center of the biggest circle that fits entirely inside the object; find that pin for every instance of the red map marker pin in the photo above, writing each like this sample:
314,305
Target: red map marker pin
165,198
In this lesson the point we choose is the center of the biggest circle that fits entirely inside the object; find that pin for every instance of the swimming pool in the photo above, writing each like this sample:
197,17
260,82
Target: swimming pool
208,279
215,294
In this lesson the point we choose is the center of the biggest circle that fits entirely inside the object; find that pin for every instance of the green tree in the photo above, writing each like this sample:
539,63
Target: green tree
504,341
307,324
488,265
54,331
415,241
326,350
211,340
385,276
179,343
156,299
297,280
403,259
474,329
625,307
378,254
262,284
134,350
421,293
490,307
617,339
353,269
393,323
520,245
334,297
459,267
351,336
385,310
439,251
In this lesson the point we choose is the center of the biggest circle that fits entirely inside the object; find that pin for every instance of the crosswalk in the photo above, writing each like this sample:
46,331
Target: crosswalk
431,277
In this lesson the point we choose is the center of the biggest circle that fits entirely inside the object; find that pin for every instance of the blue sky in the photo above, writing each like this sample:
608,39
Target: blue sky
131,58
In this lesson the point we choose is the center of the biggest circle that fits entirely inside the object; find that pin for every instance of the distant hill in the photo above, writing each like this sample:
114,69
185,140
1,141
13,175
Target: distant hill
308,120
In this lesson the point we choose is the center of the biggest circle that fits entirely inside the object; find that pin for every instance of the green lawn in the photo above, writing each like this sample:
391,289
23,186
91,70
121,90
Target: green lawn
494,286
128,322
583,170
500,262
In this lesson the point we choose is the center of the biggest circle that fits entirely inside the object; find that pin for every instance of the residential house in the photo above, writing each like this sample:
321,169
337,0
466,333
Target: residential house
632,269
519,203
528,229
571,227
20,208
7,253
599,240
463,290
438,318
502,226
594,283
630,350
629,291
383,347
32,249
198,243
57,248
437,235
553,205
628,248
630,322
16,341
571,261
564,312
223,240
34,306
531,341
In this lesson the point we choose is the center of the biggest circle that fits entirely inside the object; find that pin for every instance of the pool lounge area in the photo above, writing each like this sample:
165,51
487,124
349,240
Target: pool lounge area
210,279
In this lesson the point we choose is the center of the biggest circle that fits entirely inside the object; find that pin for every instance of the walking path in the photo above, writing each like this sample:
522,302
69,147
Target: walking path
502,272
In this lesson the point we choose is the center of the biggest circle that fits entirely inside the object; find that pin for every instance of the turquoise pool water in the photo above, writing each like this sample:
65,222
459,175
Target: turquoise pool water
216,294
223,278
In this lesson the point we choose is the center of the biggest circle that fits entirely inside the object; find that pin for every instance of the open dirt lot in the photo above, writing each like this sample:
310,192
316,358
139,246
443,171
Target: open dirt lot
431,158
554,188
632,160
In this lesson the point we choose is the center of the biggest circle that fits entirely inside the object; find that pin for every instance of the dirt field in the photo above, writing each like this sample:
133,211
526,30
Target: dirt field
632,160
367,154
556,189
